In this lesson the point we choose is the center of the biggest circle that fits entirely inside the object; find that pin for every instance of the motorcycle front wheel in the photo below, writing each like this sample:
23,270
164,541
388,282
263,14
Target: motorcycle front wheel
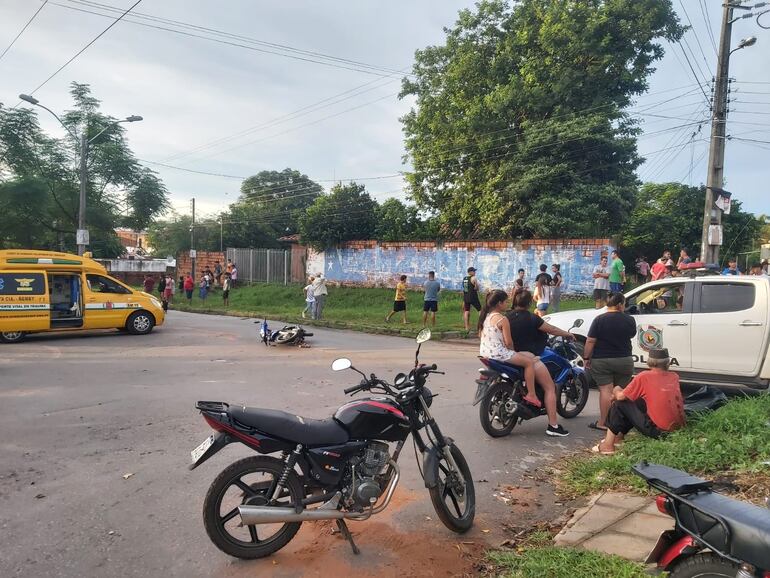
248,481
572,395
496,420
704,566
454,500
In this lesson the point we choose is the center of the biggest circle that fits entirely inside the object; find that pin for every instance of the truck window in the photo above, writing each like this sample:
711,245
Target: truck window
658,299
100,284
722,297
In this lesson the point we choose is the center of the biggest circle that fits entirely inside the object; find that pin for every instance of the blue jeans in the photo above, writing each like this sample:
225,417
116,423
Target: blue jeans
616,287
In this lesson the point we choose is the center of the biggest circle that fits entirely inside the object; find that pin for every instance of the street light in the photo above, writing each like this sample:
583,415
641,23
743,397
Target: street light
82,233
744,43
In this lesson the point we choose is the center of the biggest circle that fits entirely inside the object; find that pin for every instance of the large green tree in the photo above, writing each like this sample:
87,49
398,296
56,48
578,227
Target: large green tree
347,213
669,216
270,206
39,180
170,236
519,129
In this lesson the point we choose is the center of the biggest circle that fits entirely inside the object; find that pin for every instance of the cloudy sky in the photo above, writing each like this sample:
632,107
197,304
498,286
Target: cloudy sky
267,96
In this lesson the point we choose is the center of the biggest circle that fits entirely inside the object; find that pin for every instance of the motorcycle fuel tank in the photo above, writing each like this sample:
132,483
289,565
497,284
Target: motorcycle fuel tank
374,418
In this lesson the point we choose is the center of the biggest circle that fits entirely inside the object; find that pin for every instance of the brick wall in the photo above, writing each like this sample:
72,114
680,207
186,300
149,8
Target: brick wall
184,263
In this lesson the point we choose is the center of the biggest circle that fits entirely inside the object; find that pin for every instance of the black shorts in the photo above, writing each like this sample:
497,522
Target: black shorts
600,294
225,294
468,303
399,306
430,306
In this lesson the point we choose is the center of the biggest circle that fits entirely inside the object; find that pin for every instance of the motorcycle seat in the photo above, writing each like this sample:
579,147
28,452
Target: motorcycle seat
749,526
290,427
503,366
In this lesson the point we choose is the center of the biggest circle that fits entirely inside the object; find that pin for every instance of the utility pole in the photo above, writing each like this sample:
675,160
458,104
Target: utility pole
711,214
82,232
192,240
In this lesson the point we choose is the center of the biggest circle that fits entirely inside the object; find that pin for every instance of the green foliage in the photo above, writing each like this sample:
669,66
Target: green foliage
40,181
731,439
171,236
345,214
396,221
553,562
519,127
670,216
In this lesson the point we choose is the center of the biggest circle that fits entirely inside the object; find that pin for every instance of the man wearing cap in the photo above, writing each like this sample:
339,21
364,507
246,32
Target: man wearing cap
652,403
470,296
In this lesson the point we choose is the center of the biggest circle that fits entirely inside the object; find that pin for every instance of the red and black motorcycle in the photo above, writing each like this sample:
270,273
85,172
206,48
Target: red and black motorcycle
713,535
342,468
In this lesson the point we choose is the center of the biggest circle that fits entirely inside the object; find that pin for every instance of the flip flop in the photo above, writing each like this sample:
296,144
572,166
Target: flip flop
595,425
533,402
597,450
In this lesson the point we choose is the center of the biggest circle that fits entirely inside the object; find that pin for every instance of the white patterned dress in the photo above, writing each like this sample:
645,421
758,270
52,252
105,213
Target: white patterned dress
492,343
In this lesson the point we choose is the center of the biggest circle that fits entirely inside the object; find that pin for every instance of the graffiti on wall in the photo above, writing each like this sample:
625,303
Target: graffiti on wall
496,267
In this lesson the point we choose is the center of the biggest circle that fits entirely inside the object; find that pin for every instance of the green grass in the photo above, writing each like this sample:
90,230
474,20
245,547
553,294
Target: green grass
553,562
734,439
364,308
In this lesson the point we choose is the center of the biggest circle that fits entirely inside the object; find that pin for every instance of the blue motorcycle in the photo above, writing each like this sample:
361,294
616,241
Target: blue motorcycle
501,389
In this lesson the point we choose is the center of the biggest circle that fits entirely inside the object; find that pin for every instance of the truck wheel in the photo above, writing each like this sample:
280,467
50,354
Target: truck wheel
140,323
12,336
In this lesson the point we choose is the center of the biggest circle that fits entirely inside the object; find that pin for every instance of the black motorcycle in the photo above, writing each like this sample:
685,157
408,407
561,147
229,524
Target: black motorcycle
342,468
713,536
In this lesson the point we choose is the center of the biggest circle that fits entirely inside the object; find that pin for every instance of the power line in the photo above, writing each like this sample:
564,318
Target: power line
82,50
694,74
704,10
697,39
7,48
236,40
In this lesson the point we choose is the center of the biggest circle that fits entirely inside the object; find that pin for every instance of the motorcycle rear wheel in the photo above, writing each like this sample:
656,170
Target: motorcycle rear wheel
458,514
262,470
567,404
495,420
704,566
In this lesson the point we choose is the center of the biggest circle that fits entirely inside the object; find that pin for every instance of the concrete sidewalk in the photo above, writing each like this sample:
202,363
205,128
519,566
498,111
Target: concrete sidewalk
616,523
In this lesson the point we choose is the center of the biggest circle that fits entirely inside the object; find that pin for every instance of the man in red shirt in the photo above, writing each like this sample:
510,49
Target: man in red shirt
652,403
659,269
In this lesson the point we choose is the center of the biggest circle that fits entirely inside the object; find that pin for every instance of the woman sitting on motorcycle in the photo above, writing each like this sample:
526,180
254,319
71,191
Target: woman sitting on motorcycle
497,343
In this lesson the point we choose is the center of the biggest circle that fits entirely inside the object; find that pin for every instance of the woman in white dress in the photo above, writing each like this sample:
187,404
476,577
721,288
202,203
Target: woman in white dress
497,343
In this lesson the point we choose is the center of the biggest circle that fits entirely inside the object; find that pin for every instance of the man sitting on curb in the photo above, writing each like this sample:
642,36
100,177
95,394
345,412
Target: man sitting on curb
652,403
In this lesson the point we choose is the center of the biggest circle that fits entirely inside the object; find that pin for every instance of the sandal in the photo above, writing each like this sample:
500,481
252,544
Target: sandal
597,450
595,425
534,402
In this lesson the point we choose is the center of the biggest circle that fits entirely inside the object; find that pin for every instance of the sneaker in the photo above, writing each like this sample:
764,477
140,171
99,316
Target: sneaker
557,431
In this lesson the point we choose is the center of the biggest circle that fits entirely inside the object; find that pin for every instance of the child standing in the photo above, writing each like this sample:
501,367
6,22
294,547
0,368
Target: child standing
189,285
399,304
309,298
226,290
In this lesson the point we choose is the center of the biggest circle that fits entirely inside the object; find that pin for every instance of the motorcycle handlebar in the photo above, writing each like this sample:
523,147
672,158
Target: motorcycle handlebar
352,389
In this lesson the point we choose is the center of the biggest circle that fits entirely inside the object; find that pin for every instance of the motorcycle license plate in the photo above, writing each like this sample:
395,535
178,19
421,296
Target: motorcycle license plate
198,452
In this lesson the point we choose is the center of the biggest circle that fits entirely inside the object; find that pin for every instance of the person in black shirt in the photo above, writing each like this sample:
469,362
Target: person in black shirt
530,333
470,296
607,353
556,284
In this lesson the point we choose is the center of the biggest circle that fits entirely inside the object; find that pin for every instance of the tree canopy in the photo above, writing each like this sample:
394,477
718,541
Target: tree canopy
669,216
345,214
39,180
519,129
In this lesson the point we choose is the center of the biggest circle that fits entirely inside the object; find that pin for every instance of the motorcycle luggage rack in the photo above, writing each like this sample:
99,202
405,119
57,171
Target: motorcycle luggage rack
214,406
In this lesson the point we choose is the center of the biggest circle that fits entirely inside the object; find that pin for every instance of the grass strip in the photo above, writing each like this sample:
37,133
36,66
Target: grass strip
555,562
732,440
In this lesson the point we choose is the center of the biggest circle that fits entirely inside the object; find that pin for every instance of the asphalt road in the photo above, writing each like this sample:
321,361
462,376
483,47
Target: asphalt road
81,411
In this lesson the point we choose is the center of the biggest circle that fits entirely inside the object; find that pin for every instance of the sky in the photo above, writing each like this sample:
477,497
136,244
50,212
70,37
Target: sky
232,110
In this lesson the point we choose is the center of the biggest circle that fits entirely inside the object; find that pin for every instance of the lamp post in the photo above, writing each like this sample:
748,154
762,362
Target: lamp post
83,140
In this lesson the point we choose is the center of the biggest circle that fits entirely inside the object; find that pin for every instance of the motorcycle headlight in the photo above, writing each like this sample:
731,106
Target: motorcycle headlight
427,396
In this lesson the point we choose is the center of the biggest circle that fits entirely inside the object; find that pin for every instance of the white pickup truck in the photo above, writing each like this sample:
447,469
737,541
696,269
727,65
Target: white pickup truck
716,328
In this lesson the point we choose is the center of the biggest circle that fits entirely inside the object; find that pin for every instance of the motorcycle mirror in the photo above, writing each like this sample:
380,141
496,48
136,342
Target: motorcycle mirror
423,336
341,364
577,323
399,380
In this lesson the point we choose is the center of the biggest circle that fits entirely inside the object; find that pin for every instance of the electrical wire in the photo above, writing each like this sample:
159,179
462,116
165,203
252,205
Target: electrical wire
704,10
82,50
7,48
697,39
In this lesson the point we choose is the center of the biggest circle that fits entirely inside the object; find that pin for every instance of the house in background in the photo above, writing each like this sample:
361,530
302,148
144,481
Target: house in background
134,242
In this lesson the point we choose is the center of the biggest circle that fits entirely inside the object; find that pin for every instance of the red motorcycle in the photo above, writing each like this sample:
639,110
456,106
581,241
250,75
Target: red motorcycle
713,535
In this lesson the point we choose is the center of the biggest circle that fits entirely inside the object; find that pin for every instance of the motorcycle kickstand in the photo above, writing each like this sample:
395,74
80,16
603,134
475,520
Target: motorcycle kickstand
345,531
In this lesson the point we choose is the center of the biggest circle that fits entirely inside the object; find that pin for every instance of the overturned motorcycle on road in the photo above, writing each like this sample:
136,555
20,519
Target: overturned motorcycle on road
342,468
287,335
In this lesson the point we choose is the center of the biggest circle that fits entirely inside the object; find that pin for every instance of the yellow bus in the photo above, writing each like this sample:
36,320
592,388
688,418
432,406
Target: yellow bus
50,291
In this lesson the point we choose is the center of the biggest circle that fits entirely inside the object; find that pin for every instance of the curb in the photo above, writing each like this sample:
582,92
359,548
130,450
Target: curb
459,337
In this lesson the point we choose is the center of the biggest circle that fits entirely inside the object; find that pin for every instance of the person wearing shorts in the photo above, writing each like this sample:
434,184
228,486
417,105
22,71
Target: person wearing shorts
470,296
399,303
226,290
430,299
607,353
601,283
542,291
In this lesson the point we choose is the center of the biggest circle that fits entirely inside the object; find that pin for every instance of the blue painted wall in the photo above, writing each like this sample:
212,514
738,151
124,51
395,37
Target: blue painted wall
496,267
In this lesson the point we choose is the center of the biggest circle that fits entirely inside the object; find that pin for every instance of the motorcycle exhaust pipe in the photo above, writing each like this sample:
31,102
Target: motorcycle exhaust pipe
274,515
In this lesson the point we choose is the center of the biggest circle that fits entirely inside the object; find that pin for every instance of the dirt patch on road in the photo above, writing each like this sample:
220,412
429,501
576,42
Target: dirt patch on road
390,546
